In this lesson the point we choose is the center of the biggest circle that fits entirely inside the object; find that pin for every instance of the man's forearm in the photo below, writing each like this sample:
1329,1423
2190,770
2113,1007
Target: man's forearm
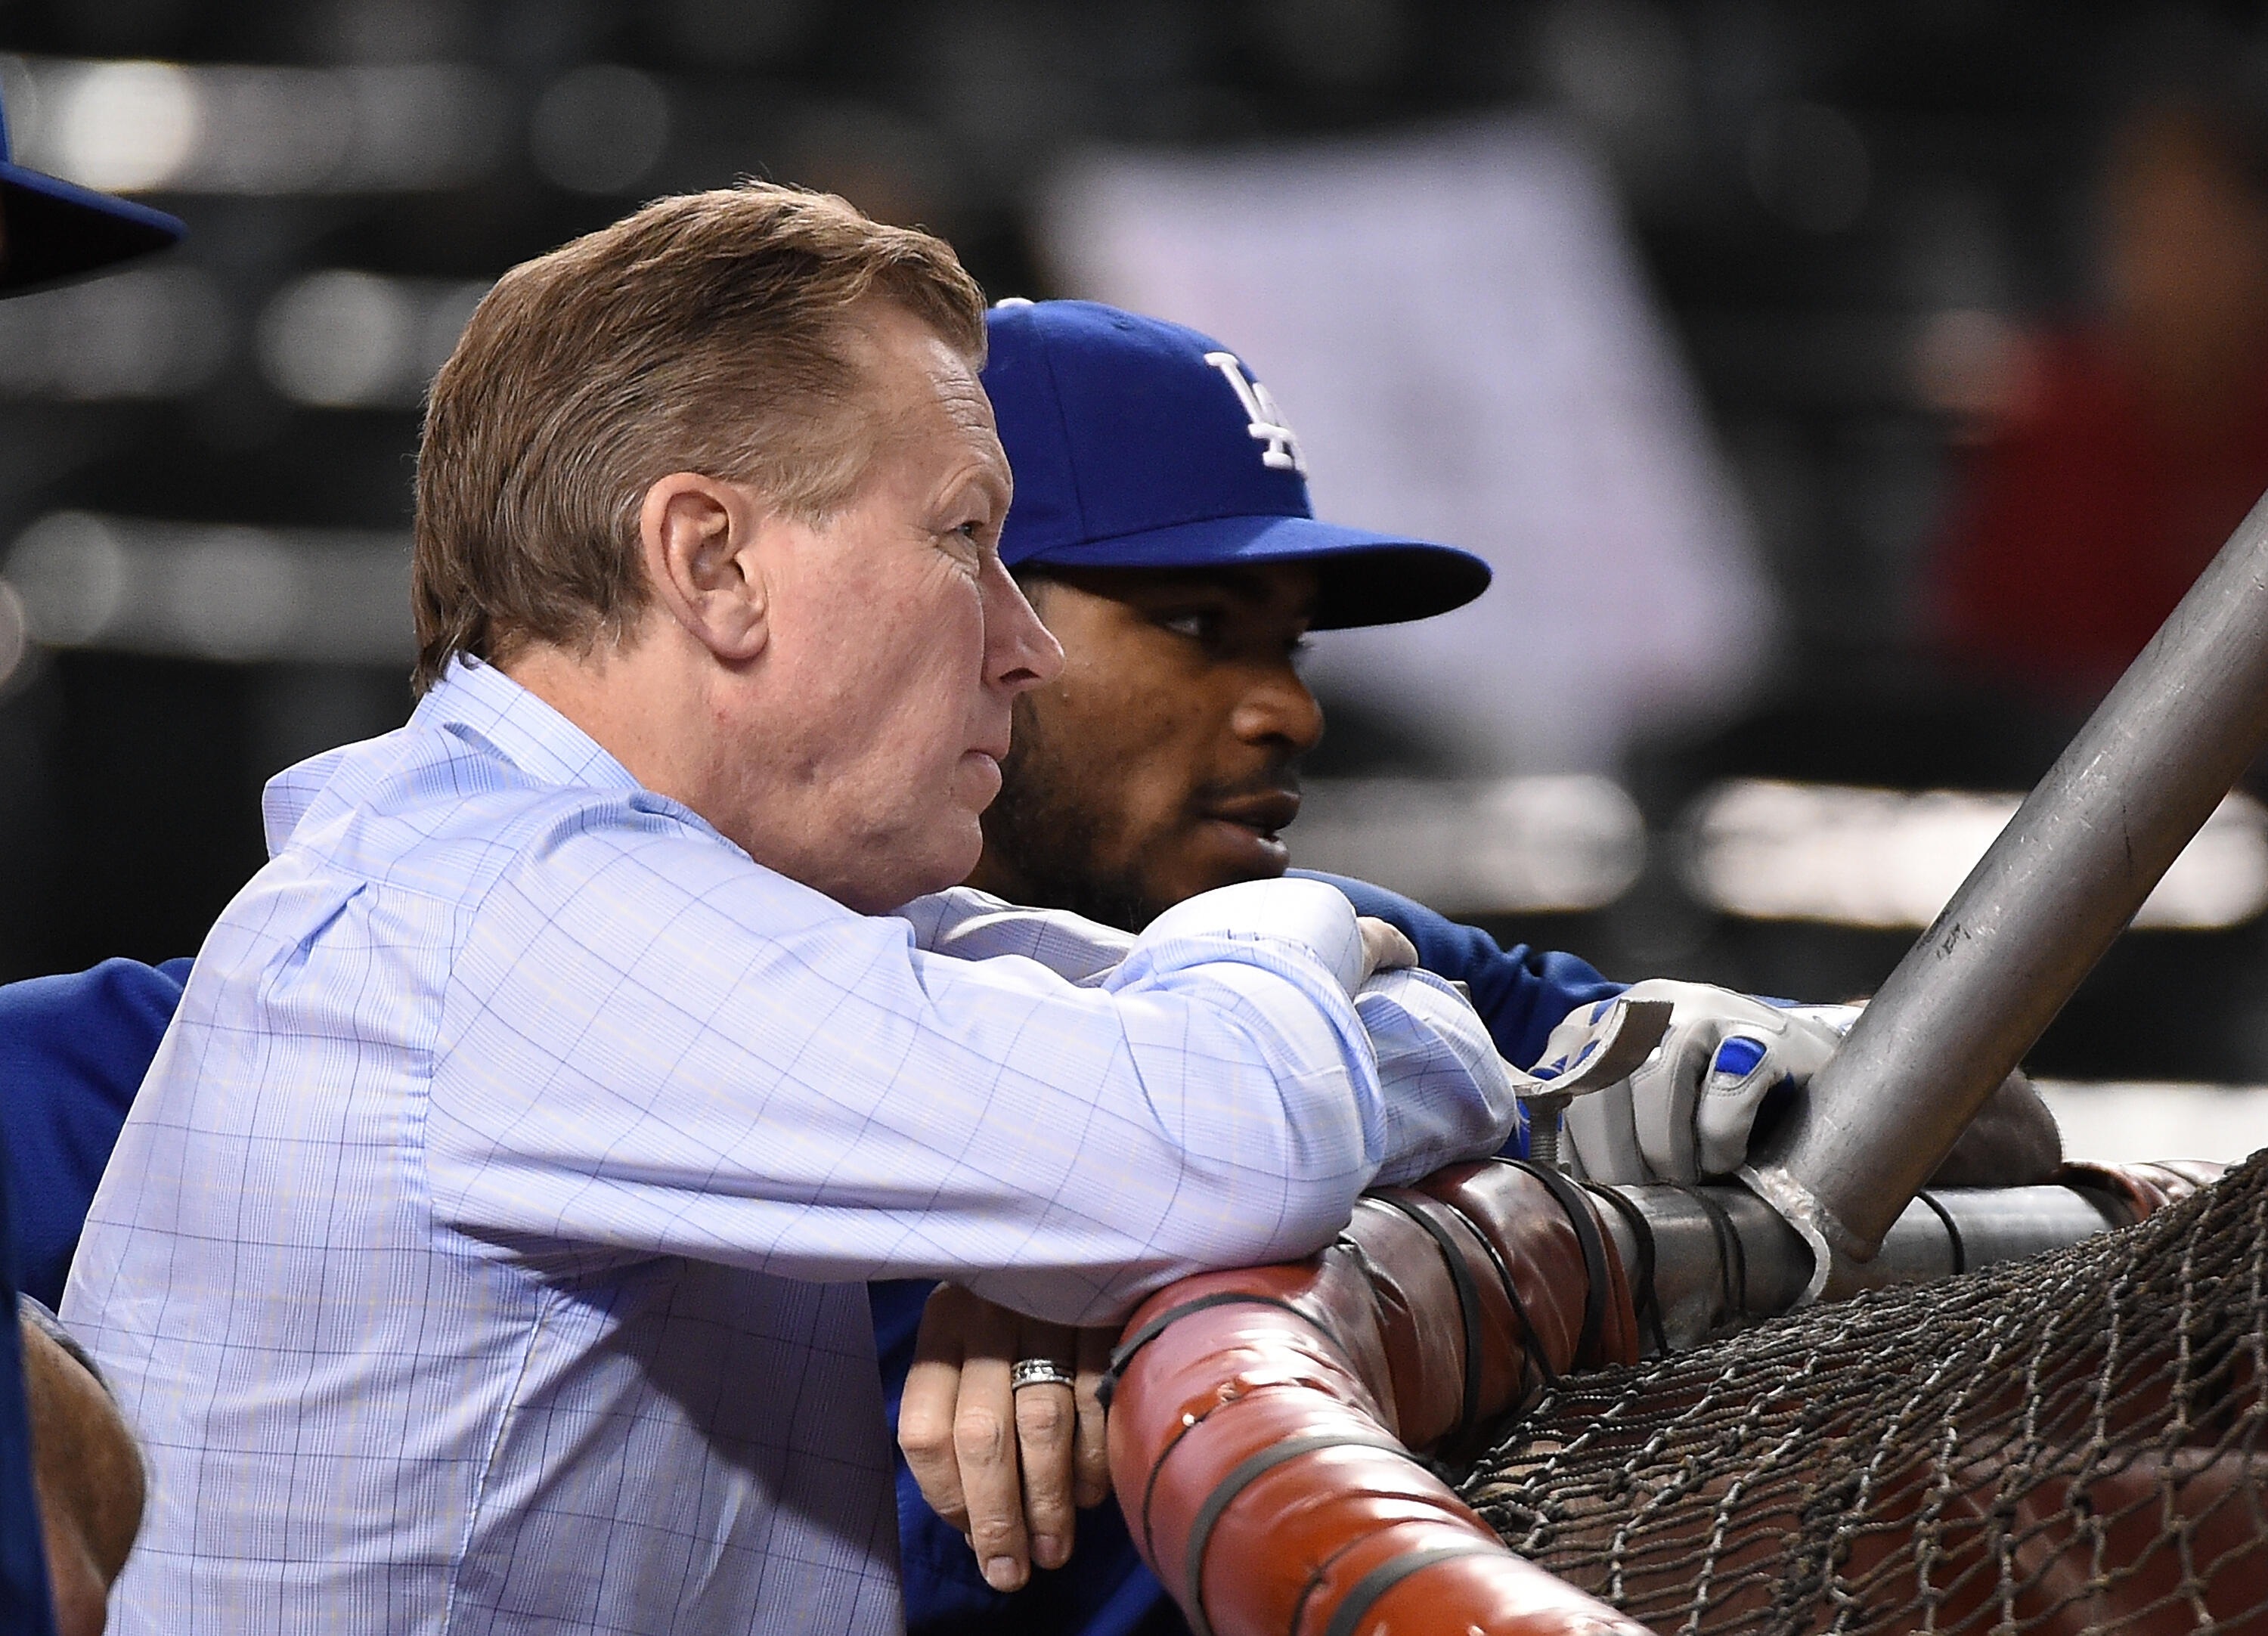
747,1061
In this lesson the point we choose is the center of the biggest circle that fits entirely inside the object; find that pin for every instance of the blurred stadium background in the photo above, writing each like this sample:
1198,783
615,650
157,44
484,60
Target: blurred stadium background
1700,320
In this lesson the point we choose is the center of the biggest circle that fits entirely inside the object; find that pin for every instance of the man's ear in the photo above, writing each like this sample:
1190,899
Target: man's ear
697,536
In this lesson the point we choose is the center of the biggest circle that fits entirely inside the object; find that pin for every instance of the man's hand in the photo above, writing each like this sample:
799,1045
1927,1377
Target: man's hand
1384,948
88,1476
1007,1466
1685,1113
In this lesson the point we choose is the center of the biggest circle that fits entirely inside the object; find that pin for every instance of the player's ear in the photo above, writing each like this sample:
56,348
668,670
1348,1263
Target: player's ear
697,538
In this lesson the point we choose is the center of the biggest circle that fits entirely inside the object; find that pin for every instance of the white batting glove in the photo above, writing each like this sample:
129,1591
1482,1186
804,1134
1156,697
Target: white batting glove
1684,1114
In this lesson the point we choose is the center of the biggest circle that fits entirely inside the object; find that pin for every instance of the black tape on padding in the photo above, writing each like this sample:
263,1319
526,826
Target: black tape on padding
1123,1353
1732,1255
1531,1344
1242,1477
1589,1234
1159,1325
1952,1232
1468,1310
1355,1607
1646,1297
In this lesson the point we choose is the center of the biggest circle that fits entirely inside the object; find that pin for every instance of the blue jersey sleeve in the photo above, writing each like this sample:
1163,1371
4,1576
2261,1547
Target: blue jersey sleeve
1521,992
73,1050
24,1600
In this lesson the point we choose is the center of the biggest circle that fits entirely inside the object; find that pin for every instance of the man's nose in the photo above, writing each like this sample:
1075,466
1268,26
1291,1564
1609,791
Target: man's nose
1279,709
1019,652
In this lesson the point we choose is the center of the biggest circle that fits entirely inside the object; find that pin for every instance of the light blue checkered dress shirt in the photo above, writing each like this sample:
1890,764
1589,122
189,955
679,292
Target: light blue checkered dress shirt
480,1254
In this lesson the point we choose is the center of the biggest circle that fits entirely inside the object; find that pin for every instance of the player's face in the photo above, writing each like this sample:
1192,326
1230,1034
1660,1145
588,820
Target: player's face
1159,763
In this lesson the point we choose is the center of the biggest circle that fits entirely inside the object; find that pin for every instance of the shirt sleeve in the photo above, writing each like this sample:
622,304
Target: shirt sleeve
1523,992
970,925
651,1046
1430,1050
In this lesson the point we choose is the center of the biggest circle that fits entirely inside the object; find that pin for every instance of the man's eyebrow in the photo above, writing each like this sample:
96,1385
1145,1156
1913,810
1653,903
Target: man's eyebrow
989,478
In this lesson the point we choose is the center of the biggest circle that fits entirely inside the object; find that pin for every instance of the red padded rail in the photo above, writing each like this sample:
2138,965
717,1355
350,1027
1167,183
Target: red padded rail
1261,1422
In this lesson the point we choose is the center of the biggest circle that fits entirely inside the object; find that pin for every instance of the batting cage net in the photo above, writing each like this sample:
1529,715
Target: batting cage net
2064,1444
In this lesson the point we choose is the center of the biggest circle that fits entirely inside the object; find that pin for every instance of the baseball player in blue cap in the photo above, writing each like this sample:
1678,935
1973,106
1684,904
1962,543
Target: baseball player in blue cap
66,1445
1162,528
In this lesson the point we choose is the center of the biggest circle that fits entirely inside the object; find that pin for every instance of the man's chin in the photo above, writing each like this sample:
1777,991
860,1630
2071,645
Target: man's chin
957,859
944,857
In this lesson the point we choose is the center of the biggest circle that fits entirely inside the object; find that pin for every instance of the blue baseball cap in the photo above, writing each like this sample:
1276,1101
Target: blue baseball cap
1140,444
51,229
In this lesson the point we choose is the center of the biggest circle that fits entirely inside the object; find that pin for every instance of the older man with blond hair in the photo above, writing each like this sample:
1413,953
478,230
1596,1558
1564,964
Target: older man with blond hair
482,1252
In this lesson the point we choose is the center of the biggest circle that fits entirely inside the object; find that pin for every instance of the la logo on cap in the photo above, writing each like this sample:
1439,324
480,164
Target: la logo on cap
1263,420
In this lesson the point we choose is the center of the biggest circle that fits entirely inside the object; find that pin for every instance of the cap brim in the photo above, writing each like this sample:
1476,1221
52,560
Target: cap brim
54,230
1365,578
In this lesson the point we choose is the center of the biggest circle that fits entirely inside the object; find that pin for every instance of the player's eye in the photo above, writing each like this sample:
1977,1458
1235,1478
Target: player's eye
1199,624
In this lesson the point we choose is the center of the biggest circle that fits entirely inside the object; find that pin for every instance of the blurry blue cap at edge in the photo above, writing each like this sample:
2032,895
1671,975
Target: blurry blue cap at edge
51,229
1140,444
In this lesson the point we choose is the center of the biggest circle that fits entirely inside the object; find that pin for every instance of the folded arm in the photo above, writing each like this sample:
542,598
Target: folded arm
970,925
651,1046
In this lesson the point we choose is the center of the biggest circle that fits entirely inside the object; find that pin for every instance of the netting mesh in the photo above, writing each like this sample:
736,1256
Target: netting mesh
2069,1443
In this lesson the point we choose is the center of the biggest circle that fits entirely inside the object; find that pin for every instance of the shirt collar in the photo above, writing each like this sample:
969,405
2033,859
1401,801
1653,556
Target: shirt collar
475,698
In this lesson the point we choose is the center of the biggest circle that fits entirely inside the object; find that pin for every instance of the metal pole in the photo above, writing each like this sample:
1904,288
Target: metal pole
2031,920
1719,1256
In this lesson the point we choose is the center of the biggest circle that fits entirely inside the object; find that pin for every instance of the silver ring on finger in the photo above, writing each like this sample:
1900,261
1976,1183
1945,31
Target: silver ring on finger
1037,1372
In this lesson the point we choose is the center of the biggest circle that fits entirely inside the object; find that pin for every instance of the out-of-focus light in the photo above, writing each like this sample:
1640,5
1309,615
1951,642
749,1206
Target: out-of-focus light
152,332
1764,849
124,126
335,338
350,340
69,570
144,127
235,594
419,125
15,635
267,130
1968,362
1569,842
2111,1120
599,130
